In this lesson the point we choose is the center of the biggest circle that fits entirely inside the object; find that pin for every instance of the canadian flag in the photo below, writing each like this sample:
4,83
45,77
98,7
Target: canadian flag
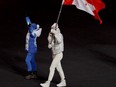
90,6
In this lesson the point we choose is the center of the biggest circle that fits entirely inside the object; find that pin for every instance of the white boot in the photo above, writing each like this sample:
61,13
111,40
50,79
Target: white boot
62,83
46,84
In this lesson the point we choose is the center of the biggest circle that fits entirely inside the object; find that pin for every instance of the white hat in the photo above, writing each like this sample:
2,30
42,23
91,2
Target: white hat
54,26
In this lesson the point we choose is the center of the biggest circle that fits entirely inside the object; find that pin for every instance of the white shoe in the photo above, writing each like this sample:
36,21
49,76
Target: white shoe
46,84
62,84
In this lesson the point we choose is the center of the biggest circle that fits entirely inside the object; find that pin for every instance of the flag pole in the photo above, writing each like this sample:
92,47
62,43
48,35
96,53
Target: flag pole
58,18
59,13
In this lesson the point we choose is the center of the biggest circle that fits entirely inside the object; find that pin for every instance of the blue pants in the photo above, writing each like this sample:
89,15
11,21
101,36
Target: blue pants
30,61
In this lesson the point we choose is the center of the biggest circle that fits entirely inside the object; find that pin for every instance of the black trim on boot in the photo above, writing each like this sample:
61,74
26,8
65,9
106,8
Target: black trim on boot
34,75
29,76
34,72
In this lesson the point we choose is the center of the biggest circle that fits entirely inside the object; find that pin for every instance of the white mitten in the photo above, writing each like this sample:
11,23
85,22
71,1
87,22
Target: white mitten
53,31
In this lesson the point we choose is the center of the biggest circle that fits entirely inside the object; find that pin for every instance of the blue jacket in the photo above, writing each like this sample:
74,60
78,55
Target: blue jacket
31,37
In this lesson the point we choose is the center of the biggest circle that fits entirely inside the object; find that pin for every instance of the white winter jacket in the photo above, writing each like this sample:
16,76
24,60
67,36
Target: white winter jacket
56,42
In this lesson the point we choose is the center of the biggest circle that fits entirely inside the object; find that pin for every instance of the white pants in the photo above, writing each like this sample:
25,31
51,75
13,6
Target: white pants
56,64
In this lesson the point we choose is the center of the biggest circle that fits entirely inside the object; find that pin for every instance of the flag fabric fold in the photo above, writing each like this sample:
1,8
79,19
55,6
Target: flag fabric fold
90,6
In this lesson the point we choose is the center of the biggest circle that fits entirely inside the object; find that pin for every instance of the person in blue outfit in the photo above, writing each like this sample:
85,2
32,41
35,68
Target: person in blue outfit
34,31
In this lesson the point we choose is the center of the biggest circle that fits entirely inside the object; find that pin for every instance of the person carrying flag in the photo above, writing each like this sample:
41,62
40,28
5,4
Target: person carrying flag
56,44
